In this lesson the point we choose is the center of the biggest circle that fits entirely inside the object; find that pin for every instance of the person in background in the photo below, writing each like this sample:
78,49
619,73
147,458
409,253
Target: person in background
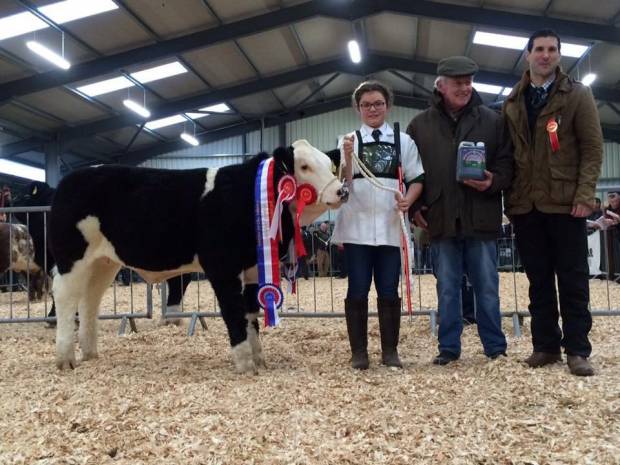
463,219
5,201
607,221
322,251
556,131
369,224
597,212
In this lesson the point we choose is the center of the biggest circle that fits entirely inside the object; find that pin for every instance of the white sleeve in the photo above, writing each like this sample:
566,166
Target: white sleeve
410,158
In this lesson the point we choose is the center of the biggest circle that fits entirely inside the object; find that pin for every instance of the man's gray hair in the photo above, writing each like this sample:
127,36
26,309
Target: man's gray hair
442,78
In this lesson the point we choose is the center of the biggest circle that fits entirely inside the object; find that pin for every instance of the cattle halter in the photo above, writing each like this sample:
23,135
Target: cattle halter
319,197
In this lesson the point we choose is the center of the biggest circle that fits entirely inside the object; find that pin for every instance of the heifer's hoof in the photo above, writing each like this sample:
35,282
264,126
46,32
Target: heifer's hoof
243,358
259,360
170,322
89,356
66,364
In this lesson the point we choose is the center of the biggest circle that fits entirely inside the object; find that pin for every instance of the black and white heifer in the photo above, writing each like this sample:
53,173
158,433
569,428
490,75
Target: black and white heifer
162,223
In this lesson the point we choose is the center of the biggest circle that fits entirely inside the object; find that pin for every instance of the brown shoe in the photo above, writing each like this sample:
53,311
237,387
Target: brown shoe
539,359
579,366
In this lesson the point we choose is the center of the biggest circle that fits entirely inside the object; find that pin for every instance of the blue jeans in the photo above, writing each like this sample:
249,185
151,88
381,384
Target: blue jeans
365,260
478,259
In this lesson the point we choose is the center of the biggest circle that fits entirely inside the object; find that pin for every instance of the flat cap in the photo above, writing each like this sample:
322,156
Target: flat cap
457,66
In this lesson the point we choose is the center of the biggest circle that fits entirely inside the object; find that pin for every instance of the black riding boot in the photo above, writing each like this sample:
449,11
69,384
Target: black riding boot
356,312
389,326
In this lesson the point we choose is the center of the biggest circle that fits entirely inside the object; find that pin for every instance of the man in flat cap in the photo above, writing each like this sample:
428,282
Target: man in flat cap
556,131
463,217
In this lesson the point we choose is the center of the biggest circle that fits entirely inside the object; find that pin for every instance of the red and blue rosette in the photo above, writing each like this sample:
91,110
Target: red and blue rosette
268,261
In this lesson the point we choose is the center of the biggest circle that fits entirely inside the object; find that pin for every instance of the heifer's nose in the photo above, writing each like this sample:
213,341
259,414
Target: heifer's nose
343,193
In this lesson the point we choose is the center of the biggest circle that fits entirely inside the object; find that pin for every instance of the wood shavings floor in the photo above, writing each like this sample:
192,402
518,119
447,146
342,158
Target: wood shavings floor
161,397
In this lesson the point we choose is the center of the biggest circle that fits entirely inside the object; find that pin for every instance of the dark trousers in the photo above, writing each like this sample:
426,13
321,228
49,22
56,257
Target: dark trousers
553,245
366,261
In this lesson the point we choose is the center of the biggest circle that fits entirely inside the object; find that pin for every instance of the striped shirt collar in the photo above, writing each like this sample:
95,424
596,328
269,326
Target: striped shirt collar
546,84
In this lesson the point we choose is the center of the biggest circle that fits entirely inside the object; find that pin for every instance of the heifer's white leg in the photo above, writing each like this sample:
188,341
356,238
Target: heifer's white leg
257,349
243,358
103,273
68,290
250,288
228,292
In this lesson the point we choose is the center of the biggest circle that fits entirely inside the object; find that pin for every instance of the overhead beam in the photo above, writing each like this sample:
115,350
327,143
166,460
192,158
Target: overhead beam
356,9
373,63
15,148
611,133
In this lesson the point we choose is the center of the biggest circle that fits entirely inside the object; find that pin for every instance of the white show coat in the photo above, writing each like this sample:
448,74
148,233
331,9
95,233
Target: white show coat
371,217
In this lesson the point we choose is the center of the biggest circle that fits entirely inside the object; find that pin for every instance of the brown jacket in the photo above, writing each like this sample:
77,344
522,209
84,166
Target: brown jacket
554,181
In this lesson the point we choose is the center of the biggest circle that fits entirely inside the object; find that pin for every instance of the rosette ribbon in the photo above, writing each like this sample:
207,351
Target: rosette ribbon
306,195
268,261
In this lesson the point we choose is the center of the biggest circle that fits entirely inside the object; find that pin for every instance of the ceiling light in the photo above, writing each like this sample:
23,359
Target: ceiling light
176,119
105,87
159,72
217,108
163,122
60,13
487,88
48,54
137,108
506,91
588,79
500,40
70,10
354,51
121,82
520,43
21,170
191,140
573,50
21,23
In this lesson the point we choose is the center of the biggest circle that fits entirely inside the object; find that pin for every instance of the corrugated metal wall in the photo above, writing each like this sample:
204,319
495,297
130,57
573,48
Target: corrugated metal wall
611,161
219,153
270,140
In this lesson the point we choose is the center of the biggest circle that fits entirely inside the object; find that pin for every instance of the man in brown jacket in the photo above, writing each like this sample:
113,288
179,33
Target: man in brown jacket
556,133
463,218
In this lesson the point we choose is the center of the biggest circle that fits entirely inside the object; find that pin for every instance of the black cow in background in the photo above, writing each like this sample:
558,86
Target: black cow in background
176,290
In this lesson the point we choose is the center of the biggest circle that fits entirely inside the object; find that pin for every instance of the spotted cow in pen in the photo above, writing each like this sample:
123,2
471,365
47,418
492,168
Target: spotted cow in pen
163,223
17,251
37,194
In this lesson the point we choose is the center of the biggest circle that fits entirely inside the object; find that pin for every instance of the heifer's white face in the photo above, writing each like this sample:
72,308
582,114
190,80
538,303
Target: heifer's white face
315,168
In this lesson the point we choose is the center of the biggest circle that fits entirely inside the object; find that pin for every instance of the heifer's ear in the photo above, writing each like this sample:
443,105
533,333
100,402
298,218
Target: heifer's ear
334,156
285,159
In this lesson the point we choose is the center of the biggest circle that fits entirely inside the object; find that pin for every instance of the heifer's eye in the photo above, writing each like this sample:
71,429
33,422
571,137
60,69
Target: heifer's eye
305,167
